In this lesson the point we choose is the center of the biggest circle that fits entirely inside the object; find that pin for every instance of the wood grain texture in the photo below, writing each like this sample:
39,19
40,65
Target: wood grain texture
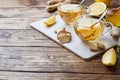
23,3
12,11
56,76
23,12
50,59
29,3
26,54
17,23
24,38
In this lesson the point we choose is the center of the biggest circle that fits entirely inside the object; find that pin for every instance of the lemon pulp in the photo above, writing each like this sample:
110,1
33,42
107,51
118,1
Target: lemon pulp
97,8
109,58
50,21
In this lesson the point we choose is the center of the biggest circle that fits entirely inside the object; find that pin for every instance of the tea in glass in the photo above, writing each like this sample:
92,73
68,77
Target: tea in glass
87,32
70,12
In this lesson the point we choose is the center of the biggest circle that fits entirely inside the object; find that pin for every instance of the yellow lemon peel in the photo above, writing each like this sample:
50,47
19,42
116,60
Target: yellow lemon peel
97,8
50,21
109,58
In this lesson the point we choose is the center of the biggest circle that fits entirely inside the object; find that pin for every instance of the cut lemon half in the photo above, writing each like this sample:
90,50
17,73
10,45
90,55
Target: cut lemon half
97,8
109,58
50,21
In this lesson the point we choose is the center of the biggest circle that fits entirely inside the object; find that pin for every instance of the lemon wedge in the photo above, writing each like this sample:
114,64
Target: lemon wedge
97,8
109,58
50,21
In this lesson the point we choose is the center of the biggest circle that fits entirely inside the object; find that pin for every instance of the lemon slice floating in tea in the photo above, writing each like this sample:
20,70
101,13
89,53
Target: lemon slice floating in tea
109,58
97,8
50,21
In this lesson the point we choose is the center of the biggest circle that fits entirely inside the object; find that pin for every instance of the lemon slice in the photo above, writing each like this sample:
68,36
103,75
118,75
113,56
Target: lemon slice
50,21
109,58
97,8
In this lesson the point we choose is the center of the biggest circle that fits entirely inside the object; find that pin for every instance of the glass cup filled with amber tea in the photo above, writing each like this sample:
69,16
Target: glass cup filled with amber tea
70,12
87,32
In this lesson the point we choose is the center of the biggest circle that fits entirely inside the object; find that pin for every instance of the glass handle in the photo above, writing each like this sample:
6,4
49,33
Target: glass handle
85,12
109,26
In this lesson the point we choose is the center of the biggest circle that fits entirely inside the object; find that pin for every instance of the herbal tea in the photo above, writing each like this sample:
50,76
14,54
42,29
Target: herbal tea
87,32
70,12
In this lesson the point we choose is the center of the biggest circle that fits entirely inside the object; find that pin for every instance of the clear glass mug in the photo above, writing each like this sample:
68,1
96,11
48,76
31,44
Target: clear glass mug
88,33
70,12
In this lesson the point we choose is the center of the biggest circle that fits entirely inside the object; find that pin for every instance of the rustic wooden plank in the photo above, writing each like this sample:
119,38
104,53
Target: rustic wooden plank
56,76
23,3
17,23
15,12
29,3
23,12
43,59
24,38
28,55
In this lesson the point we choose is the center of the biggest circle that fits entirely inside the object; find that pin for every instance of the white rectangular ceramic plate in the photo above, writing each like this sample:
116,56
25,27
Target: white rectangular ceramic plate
76,45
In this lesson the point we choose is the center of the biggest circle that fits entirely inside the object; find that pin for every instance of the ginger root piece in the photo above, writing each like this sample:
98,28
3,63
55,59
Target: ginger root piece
101,46
94,48
97,47
63,36
118,47
115,3
115,33
73,1
52,2
52,8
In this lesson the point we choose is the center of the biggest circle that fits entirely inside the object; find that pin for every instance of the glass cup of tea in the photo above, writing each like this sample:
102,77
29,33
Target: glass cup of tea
70,12
88,33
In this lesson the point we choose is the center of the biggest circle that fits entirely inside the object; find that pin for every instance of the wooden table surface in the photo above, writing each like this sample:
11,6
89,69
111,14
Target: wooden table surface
26,54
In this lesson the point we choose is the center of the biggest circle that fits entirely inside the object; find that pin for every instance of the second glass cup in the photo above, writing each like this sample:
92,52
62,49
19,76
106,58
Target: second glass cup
88,33
70,12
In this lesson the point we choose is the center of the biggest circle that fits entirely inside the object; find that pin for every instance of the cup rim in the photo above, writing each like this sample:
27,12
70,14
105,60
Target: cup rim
92,17
78,8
